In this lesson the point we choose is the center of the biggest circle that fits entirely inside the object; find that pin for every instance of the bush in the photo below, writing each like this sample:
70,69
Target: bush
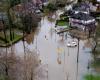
14,2
51,7
96,63
64,17
61,5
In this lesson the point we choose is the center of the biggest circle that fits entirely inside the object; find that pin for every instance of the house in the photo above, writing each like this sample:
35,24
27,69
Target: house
82,21
84,7
80,16
81,7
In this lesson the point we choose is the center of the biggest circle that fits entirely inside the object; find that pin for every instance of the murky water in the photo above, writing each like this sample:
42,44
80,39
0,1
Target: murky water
60,61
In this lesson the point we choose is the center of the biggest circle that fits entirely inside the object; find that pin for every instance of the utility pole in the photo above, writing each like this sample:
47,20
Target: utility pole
77,60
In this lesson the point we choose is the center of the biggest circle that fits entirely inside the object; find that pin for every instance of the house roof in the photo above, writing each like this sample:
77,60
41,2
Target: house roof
82,16
83,6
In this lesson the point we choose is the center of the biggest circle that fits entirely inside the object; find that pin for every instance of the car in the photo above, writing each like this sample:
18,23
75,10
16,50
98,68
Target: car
60,28
72,44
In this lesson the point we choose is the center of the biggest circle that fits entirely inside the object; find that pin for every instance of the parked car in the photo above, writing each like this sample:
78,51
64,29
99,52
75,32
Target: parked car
72,44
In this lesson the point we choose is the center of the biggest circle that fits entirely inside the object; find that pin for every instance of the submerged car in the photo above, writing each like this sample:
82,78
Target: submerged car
60,28
72,44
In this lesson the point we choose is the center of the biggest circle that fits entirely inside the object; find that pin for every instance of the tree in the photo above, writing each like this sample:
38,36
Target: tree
9,66
31,63
14,2
9,6
79,0
96,38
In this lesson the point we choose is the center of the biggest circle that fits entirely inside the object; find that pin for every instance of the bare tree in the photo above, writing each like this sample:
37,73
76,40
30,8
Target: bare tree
31,62
17,68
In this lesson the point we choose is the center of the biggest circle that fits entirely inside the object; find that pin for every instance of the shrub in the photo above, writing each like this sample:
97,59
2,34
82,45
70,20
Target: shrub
51,7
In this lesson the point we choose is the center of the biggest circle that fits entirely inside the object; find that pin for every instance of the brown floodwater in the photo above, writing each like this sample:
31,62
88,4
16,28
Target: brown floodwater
58,61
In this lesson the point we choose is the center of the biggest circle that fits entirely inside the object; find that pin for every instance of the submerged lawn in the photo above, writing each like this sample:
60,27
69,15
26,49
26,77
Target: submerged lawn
92,77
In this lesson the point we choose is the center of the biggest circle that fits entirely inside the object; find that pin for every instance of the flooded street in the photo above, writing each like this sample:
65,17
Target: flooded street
60,61
49,40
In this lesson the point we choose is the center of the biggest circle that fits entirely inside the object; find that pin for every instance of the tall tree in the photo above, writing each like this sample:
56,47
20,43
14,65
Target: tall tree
14,2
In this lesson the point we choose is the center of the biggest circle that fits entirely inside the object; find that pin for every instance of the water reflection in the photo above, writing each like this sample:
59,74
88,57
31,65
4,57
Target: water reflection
29,38
59,52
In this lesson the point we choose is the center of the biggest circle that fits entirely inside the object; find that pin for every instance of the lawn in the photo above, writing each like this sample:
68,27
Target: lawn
3,42
62,23
64,17
16,38
92,77
3,77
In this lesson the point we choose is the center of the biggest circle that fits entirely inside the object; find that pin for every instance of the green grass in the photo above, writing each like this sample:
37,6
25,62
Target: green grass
62,23
92,77
3,77
2,42
46,11
16,38
64,17
96,63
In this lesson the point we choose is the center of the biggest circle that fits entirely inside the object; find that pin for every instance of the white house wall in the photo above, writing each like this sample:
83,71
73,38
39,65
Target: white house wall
82,27
82,21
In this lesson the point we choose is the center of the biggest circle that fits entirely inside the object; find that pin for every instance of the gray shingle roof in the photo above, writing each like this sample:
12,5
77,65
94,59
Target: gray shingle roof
81,6
82,16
